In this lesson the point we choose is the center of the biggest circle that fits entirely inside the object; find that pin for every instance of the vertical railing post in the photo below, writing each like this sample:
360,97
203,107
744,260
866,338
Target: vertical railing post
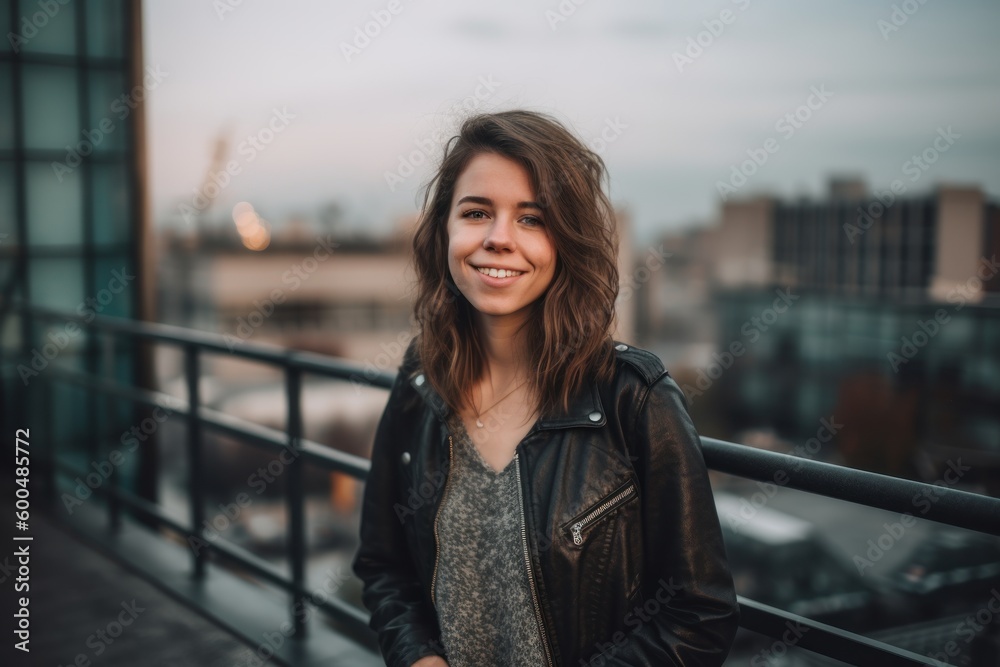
108,367
296,498
195,486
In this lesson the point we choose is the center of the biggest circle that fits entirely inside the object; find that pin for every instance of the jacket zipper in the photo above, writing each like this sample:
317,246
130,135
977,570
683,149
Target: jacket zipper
437,544
527,562
614,501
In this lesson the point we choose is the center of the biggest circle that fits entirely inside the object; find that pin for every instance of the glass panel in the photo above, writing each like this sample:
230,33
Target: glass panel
10,333
108,113
110,203
8,210
6,103
47,27
71,431
57,283
105,28
54,208
50,109
7,43
114,285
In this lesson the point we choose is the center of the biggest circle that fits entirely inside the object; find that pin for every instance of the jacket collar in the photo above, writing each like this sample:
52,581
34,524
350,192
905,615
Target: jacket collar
585,407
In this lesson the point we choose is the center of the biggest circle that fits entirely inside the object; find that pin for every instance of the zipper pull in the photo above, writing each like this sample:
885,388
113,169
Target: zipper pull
577,538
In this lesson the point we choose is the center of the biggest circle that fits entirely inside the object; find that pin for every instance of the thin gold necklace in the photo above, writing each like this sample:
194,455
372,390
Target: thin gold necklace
479,421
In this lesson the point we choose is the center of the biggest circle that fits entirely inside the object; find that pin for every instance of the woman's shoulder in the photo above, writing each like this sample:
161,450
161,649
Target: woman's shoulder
638,364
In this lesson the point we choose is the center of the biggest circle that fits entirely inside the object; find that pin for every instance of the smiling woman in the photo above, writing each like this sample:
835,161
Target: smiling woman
499,253
537,493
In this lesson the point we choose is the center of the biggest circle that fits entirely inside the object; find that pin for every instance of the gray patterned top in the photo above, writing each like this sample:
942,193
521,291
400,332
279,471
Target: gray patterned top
483,600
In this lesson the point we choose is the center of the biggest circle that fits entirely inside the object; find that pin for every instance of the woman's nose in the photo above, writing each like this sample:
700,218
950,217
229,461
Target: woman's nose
500,234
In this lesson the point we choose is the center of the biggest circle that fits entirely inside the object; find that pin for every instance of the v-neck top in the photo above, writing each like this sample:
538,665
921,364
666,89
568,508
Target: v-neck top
484,602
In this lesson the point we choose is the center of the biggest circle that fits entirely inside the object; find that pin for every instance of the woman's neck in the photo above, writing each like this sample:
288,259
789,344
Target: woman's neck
503,344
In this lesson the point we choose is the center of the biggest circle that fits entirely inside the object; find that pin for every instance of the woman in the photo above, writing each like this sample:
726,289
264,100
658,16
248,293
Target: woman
537,493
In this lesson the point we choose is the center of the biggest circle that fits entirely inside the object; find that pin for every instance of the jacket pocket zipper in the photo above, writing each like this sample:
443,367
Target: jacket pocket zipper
617,498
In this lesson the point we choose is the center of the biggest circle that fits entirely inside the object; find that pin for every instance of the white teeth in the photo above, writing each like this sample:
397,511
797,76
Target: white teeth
498,273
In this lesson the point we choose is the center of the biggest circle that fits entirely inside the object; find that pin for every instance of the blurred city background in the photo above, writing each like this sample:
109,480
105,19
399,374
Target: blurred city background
807,196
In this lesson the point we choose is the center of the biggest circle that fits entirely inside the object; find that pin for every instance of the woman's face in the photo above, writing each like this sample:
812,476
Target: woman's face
495,222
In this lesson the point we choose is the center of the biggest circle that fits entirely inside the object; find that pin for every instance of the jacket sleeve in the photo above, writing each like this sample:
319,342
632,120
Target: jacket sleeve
407,627
685,566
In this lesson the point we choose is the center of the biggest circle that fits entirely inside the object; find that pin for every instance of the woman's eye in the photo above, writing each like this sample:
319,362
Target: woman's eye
532,220
474,214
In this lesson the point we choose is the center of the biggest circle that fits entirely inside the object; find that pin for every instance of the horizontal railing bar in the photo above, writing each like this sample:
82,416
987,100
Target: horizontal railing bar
833,642
256,564
309,362
755,616
277,440
147,397
271,439
148,509
335,459
951,506
342,610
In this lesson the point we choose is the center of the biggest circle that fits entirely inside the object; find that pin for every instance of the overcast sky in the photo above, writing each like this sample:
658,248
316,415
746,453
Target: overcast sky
678,126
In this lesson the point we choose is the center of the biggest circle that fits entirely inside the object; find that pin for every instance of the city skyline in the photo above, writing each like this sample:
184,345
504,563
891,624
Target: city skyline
893,80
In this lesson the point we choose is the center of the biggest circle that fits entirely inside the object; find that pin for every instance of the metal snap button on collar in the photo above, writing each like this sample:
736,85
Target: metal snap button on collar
621,347
419,380
595,416
405,458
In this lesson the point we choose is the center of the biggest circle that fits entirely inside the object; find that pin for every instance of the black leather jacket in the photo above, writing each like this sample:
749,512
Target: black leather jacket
621,537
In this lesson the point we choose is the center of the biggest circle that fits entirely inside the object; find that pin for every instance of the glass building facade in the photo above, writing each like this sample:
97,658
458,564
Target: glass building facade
72,225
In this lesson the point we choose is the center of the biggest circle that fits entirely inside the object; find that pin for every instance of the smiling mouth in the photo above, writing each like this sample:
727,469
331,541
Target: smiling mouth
498,273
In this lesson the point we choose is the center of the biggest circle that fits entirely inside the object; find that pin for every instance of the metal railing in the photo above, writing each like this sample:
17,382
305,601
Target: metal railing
952,506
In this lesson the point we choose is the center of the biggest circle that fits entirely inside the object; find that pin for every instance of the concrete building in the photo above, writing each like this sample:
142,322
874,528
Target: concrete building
881,245
892,319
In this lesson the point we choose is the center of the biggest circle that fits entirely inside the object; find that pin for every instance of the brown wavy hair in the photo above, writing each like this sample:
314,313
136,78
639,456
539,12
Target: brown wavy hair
569,330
